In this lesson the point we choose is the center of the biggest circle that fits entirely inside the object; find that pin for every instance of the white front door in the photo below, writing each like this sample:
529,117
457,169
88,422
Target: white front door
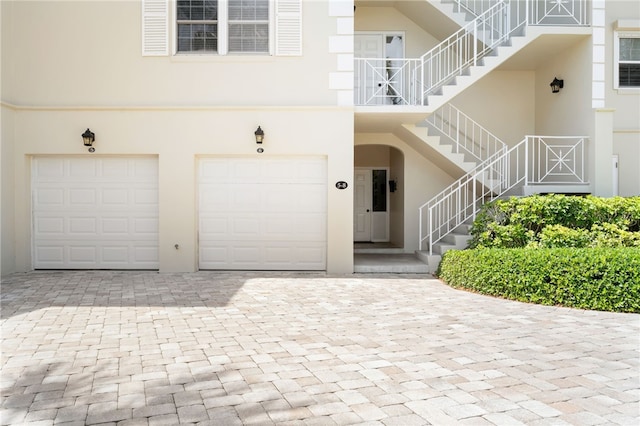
95,212
362,205
266,213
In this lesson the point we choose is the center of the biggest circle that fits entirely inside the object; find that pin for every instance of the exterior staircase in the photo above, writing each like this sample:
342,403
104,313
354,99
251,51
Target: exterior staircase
490,32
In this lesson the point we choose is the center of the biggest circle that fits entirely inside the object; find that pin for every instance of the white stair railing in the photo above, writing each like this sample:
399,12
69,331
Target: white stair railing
537,160
397,81
380,81
463,49
466,135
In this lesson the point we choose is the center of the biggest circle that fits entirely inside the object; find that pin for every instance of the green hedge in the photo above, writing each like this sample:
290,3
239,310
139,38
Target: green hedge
606,279
558,221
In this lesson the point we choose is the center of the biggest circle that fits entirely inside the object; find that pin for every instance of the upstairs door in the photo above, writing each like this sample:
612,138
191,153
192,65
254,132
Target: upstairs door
369,76
380,74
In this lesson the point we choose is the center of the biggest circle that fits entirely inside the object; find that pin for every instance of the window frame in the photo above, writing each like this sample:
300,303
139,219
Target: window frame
223,23
618,35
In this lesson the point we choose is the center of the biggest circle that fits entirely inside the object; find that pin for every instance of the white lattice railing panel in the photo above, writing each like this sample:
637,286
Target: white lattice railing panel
556,160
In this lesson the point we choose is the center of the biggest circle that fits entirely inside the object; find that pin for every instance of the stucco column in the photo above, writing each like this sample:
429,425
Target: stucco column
602,150
176,204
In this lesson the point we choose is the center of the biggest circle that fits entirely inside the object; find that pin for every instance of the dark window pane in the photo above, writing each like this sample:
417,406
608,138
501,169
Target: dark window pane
379,191
629,75
197,38
192,10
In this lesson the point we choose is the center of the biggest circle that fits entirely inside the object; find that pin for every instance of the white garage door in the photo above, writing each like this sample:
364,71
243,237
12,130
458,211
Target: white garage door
263,213
95,213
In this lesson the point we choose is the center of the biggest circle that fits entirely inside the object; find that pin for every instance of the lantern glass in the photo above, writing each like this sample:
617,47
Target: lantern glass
556,85
88,137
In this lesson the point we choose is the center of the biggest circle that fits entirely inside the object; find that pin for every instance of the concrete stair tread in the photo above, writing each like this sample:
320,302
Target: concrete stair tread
405,263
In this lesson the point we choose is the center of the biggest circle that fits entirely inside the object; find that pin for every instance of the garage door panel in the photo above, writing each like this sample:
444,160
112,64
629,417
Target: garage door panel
214,197
82,168
115,197
245,199
216,256
50,254
49,225
145,196
145,254
115,255
245,228
266,213
213,226
49,197
115,168
115,225
145,225
83,225
245,171
82,254
94,213
49,168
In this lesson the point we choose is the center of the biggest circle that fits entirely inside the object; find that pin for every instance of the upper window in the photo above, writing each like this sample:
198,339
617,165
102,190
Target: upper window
219,26
627,66
223,26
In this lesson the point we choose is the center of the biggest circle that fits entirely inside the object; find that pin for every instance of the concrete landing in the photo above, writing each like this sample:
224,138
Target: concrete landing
389,263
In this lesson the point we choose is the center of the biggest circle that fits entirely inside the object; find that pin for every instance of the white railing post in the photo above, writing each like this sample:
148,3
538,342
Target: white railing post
430,231
474,40
526,160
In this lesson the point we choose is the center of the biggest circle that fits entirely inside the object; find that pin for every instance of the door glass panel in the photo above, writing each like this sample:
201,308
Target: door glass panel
379,190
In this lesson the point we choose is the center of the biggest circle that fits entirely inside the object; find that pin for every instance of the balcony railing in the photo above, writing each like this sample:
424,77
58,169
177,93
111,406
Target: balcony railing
535,12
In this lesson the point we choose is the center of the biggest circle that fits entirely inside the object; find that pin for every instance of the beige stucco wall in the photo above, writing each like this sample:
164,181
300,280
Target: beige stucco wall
389,19
571,111
7,238
74,65
626,145
568,112
625,103
178,137
89,53
503,102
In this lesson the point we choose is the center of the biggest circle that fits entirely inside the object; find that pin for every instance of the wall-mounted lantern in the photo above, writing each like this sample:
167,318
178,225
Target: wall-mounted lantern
393,185
556,85
259,133
88,138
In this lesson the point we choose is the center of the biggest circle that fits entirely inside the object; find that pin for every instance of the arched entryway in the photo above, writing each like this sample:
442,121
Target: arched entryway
379,195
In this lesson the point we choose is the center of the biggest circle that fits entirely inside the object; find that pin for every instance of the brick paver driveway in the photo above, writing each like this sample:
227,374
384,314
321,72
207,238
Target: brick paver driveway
138,348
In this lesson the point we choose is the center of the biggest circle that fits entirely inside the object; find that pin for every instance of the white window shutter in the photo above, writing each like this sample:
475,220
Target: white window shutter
288,27
155,27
